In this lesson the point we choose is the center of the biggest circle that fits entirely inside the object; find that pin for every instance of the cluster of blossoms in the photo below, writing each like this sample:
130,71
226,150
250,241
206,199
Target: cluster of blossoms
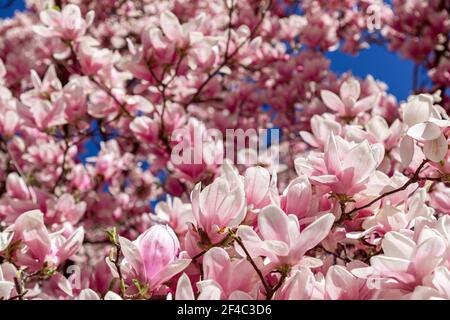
96,98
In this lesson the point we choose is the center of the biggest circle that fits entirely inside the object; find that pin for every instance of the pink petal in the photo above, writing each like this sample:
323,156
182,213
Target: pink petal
71,245
332,101
273,224
313,234
416,110
169,271
406,150
184,289
132,255
171,26
350,89
365,104
428,256
398,245
435,150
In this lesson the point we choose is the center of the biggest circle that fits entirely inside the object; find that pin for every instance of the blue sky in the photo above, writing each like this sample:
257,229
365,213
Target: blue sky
9,11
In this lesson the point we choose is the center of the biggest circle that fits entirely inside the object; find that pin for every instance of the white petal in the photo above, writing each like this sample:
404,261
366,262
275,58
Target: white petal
332,100
406,150
435,150
424,131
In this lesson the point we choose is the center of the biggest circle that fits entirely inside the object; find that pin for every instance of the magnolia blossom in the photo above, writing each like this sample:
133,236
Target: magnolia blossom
281,239
426,123
347,103
343,167
67,24
35,246
206,150
153,257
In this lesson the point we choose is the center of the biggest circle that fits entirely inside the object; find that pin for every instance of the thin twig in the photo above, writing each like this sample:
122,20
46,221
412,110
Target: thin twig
413,179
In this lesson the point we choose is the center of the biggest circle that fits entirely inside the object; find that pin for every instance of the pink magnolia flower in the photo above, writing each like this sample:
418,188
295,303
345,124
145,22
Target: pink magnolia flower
260,190
440,198
184,291
435,287
197,151
45,89
175,213
390,218
406,262
64,209
234,279
280,237
341,284
67,24
347,103
426,123
9,123
344,168
7,273
91,58
300,285
153,257
89,294
321,126
221,204
297,198
37,246
146,128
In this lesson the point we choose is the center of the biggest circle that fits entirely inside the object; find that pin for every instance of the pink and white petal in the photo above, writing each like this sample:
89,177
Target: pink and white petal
216,264
184,289
332,101
257,247
240,295
424,131
132,255
310,262
398,245
440,122
362,160
416,110
359,234
112,296
325,179
435,150
333,155
406,150
71,245
428,255
340,283
389,265
171,26
273,224
88,294
209,290
309,139
257,182
5,289
365,104
313,234
350,89
441,280
169,271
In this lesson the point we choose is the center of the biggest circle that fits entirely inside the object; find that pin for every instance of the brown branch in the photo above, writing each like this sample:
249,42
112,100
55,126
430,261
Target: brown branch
109,93
227,57
252,262
413,179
